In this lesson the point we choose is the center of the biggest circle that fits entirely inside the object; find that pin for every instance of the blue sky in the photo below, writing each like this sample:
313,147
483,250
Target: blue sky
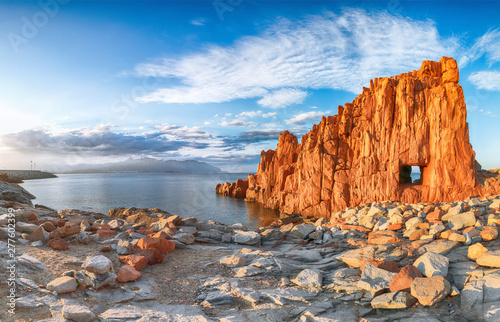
217,81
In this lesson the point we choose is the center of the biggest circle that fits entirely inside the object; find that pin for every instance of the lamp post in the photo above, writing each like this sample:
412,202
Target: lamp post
31,162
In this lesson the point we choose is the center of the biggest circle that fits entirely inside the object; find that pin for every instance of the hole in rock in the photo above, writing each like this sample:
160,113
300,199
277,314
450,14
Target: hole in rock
410,174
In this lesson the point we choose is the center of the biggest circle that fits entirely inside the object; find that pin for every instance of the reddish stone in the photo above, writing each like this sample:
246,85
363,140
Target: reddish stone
138,262
417,234
163,245
402,281
236,189
428,209
128,274
395,227
61,223
422,225
106,232
435,216
145,231
383,237
353,227
66,230
48,226
445,234
390,266
153,255
100,227
489,233
58,244
161,234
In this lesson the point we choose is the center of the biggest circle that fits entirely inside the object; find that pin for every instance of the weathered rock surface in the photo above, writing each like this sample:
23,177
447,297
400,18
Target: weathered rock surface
489,259
62,285
430,290
309,278
431,264
393,300
360,154
97,264
402,281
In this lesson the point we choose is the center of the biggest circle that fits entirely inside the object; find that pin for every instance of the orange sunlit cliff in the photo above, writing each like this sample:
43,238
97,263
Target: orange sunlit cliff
414,119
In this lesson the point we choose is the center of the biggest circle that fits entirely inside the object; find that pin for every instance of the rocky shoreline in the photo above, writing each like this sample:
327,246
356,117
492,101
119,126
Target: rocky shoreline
384,261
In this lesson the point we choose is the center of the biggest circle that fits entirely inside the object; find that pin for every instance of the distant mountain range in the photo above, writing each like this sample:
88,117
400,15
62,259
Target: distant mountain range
149,165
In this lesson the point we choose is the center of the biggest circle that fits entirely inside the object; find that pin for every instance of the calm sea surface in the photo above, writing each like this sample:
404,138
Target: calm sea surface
186,195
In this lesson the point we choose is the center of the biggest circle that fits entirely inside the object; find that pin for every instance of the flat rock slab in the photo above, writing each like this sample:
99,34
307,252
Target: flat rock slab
78,313
217,298
247,271
375,279
440,246
393,300
62,285
282,296
472,294
304,255
168,313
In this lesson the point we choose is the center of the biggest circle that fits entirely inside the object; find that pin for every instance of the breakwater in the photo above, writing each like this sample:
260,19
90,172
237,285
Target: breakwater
28,174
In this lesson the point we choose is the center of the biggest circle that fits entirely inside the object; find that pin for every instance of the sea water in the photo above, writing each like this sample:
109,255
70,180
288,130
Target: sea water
186,195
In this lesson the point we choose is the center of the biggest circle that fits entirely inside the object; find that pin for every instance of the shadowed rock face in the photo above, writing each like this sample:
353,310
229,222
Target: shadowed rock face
357,156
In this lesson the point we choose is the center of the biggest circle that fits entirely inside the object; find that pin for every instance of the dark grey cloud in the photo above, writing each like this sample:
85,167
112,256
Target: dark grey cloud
100,143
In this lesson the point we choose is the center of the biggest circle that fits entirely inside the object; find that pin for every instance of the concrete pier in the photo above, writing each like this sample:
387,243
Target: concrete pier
28,174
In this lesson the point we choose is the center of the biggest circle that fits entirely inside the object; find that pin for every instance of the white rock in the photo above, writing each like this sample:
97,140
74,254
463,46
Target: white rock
432,264
97,264
62,285
247,237
78,313
309,278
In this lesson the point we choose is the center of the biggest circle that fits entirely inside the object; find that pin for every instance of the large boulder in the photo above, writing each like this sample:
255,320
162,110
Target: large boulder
430,290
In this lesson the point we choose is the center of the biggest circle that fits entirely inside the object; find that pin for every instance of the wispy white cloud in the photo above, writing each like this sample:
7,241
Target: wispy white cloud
282,98
488,80
340,52
307,116
488,44
481,111
199,22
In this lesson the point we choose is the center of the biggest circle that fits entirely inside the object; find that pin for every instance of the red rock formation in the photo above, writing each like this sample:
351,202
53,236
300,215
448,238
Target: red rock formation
414,119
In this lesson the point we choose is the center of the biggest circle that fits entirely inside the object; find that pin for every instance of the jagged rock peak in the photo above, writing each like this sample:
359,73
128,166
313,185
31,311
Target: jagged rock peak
365,152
